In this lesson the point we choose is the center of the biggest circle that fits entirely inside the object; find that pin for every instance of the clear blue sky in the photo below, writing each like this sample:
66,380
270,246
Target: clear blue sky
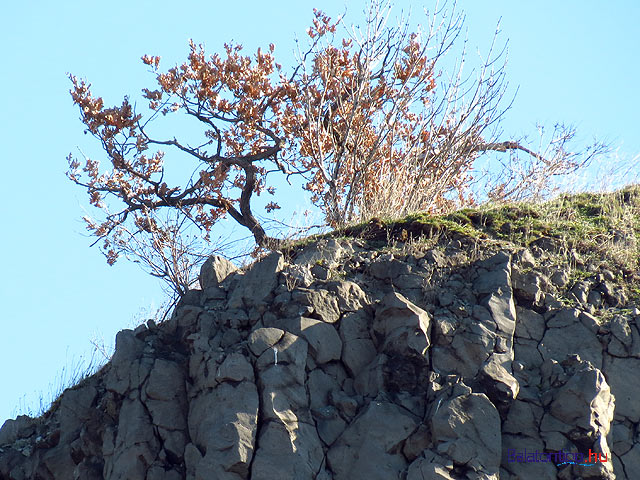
574,61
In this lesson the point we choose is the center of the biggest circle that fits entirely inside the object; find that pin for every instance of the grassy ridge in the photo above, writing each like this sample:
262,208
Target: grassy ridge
601,229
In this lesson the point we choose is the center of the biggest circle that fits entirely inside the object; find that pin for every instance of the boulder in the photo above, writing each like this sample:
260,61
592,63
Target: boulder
214,271
257,283
370,446
466,430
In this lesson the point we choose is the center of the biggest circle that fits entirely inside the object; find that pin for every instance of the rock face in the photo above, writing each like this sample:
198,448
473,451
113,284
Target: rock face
343,362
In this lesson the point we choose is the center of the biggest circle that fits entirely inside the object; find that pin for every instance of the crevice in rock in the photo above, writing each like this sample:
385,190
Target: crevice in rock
259,419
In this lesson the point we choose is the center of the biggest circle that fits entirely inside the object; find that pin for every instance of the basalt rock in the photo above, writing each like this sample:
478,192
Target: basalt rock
341,362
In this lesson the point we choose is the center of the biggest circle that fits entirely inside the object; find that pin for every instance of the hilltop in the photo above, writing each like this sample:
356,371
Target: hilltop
602,226
428,347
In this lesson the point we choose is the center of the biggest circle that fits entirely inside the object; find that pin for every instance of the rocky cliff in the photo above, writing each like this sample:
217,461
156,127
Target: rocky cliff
437,352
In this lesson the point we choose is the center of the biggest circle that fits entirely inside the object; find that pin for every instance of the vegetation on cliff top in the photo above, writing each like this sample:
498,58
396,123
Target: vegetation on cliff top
603,228
364,118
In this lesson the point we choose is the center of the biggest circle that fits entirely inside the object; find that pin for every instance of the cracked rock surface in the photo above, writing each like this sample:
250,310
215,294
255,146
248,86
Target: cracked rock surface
343,362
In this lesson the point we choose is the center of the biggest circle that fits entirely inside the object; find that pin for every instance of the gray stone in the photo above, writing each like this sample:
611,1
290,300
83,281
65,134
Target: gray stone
580,292
326,251
417,443
75,410
22,427
214,271
560,278
387,267
631,460
369,447
525,259
358,349
129,371
157,472
564,318
552,302
445,299
466,429
503,311
585,402
620,373
57,461
464,356
323,339
164,397
289,355
134,447
351,297
264,338
357,353
430,467
91,469
445,326
528,286
409,281
235,368
483,315
187,316
320,385
499,385
400,325
553,439
330,425
522,417
529,324
494,274
622,436
165,380
191,298
590,322
297,275
526,351
320,272
594,298
223,423
574,338
128,348
285,454
323,303
621,330
347,406
635,342
613,295
258,282
235,318
616,348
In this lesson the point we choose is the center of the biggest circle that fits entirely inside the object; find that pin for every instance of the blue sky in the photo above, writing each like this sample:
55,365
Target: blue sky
573,61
